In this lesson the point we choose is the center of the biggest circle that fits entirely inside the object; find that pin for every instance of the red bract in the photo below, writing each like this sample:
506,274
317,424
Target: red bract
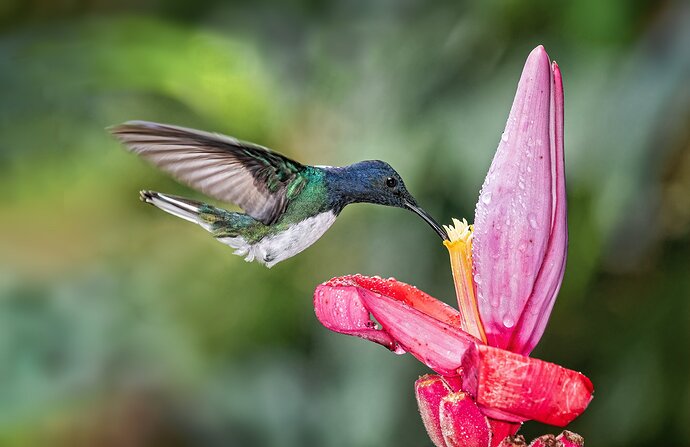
502,395
507,269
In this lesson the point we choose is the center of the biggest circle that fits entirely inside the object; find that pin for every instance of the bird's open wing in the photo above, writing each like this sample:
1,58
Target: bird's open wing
248,175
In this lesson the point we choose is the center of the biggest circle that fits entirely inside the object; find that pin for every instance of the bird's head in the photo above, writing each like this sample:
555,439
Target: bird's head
375,181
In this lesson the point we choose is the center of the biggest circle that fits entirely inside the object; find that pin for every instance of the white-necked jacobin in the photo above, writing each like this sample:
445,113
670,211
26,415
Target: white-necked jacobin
288,205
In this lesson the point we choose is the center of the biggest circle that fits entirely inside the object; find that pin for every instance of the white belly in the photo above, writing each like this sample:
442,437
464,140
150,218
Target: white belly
273,249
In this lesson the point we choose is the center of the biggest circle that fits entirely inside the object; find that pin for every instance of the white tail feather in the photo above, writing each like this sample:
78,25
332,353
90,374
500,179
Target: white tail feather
179,208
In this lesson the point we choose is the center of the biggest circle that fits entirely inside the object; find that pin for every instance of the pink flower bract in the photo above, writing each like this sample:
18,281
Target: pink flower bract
520,229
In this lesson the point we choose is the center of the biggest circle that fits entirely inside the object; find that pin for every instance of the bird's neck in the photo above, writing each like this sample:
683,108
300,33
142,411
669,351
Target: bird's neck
346,185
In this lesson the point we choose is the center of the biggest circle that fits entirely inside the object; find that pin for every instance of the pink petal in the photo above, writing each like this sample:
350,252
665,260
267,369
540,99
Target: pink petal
407,294
341,310
515,216
538,308
462,423
502,429
430,390
409,319
570,439
514,387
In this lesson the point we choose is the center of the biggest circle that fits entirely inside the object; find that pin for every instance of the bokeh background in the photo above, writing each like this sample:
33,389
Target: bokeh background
123,326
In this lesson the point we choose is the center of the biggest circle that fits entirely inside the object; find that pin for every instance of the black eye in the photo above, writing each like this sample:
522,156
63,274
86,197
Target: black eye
391,182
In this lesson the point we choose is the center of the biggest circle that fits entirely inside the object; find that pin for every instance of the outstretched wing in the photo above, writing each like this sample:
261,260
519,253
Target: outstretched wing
222,167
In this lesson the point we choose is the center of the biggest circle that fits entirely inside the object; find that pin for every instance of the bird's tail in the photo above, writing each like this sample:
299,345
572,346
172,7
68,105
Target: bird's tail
233,229
181,207
218,221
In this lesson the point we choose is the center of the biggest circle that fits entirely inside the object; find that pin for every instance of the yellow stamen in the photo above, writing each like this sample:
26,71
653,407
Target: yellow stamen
460,249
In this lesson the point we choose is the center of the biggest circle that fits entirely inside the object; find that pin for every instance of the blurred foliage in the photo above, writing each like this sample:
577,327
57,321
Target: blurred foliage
121,326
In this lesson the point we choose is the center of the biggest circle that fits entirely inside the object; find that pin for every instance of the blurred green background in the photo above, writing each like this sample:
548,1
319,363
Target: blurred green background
123,326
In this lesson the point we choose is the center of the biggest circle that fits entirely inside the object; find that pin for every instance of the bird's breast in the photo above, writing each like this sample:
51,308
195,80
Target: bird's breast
292,240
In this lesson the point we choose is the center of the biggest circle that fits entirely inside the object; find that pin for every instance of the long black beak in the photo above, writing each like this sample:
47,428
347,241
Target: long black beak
427,218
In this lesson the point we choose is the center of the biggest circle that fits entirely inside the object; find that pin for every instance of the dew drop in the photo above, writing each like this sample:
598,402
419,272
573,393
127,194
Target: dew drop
532,221
504,137
399,350
486,198
521,185
495,302
508,322
477,279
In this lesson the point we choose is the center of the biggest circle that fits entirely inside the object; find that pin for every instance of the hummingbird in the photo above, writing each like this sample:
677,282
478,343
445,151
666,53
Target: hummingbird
287,205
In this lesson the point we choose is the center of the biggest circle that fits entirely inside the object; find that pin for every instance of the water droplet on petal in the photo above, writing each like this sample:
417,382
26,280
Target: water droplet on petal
495,302
533,221
399,350
486,198
504,136
477,279
508,322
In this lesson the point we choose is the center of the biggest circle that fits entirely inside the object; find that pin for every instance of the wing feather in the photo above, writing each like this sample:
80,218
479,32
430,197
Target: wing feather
222,167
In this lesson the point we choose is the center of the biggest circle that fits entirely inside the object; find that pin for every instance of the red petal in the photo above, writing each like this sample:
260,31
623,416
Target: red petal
462,423
454,382
430,390
406,294
410,319
341,310
513,387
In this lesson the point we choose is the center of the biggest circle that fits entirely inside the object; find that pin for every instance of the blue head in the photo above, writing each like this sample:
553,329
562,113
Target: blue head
375,181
